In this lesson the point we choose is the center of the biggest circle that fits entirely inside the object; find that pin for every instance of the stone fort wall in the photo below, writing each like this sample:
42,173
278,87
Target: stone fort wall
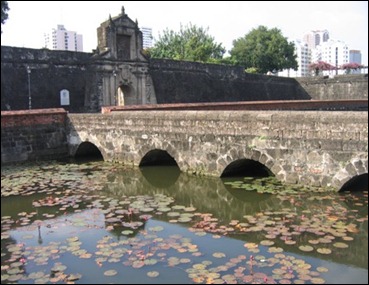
338,87
173,81
190,82
51,71
33,135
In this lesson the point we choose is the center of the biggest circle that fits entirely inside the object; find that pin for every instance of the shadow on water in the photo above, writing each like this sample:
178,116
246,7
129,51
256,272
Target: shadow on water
160,176
211,195
252,197
207,195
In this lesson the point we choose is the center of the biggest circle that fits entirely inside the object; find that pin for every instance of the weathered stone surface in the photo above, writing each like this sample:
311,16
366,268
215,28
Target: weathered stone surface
201,142
33,135
339,87
206,142
92,79
190,82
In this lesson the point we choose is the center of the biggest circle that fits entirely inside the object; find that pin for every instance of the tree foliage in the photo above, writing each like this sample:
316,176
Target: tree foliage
190,43
348,67
319,66
4,12
352,65
264,50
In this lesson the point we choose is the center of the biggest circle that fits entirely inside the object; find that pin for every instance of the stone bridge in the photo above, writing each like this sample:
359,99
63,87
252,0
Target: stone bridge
328,149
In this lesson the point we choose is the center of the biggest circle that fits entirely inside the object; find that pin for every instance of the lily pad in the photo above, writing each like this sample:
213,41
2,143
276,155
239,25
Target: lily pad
267,242
74,277
306,248
110,272
317,280
340,245
219,254
322,269
153,274
58,267
324,250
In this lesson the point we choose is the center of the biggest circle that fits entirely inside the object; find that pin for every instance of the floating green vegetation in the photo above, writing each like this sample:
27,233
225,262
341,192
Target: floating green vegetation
71,219
271,185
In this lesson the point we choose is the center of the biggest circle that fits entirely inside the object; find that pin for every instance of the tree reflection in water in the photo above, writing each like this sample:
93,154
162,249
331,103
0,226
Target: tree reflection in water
114,184
211,195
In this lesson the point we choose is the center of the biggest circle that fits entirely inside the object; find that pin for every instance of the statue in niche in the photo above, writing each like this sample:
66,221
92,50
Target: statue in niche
120,94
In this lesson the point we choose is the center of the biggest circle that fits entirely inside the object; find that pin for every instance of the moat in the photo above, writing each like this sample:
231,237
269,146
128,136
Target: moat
102,223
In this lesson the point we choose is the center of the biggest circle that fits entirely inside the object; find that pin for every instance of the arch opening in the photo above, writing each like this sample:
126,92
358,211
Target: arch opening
127,91
158,157
159,168
87,151
246,168
356,184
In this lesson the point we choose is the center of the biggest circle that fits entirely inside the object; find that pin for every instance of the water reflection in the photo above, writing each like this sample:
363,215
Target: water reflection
161,176
211,195
105,200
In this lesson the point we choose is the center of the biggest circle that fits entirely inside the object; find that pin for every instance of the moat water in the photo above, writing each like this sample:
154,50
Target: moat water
99,223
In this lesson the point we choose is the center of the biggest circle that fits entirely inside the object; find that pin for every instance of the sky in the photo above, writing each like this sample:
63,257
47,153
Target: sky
226,20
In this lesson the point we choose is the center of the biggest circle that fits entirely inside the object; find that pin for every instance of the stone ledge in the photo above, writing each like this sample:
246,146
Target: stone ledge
249,105
33,112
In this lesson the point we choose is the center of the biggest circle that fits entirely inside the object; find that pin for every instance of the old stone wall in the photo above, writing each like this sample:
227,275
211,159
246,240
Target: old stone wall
192,82
311,148
33,135
339,87
92,82
50,72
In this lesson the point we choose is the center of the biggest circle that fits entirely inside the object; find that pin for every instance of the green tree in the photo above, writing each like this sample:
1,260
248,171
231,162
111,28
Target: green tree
4,12
264,50
190,43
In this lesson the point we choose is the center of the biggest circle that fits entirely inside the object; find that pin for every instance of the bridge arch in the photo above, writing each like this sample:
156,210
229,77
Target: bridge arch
297,147
247,162
162,178
352,174
88,150
246,167
356,183
157,157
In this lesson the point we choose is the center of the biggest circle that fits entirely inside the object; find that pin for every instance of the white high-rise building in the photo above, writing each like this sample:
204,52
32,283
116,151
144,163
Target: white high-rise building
315,38
61,39
303,60
334,52
147,38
